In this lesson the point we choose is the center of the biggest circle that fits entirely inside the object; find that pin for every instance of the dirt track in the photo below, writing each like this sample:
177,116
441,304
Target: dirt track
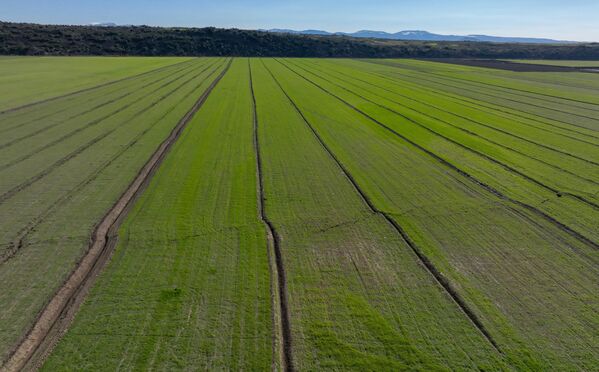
60,311
284,317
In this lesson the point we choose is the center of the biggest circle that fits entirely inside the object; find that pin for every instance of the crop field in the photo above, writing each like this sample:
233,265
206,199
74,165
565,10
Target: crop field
298,214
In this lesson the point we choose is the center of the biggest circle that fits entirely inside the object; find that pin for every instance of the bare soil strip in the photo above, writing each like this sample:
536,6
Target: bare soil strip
437,275
60,311
274,236
450,165
88,89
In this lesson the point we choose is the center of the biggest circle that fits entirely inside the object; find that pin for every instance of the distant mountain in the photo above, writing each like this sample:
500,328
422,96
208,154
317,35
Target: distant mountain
103,24
423,36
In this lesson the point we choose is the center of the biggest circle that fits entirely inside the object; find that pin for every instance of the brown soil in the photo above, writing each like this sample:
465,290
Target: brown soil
283,320
58,314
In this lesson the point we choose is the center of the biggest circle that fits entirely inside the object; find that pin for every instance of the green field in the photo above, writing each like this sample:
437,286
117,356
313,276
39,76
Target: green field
313,214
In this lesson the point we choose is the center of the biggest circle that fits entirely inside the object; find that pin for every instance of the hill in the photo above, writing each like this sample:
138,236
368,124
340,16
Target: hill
33,39
425,36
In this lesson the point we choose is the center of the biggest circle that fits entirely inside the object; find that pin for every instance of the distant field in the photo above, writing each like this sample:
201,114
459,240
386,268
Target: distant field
557,63
27,79
312,214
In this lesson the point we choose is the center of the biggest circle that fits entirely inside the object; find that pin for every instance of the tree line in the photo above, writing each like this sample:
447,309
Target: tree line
34,39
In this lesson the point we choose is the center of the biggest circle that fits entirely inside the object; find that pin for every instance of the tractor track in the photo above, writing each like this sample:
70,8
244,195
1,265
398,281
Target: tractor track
463,173
19,241
16,189
430,267
57,315
483,155
561,152
285,317
97,120
87,111
36,103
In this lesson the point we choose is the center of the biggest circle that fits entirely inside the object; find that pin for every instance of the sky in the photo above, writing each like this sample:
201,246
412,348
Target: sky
558,19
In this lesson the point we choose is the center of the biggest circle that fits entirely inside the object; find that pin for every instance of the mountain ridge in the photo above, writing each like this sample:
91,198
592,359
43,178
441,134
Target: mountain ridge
421,35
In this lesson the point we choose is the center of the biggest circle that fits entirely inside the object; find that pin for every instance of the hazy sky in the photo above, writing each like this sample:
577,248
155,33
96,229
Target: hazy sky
560,19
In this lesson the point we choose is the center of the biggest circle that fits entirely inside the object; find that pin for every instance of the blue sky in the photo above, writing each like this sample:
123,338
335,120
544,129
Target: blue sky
570,20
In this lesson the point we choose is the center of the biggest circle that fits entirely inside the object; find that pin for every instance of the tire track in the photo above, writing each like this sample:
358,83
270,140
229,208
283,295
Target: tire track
280,266
420,78
12,192
20,241
493,160
18,108
96,121
73,101
561,152
60,311
431,268
112,100
463,173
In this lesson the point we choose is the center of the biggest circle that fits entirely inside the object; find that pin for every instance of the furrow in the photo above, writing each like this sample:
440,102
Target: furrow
515,101
505,166
281,276
18,108
20,241
463,173
60,311
87,111
500,108
12,192
561,152
97,121
441,280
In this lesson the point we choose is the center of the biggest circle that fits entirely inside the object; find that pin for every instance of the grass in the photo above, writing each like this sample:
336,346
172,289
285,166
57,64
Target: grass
477,235
196,278
27,79
424,216
56,185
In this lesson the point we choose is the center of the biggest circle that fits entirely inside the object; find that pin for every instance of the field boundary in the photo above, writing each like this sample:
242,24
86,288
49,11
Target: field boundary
58,314
273,236
435,273
31,104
